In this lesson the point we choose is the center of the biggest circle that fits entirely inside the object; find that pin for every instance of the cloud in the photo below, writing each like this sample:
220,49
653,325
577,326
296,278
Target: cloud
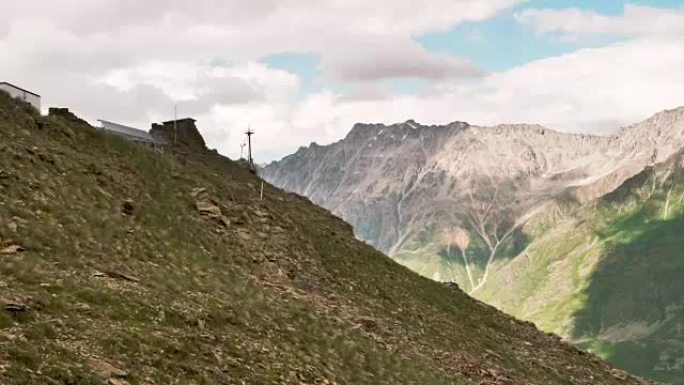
101,38
623,82
593,90
235,29
384,58
188,82
398,16
132,61
69,48
636,20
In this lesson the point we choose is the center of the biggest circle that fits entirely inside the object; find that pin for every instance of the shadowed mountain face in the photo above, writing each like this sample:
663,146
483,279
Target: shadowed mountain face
121,265
608,276
471,205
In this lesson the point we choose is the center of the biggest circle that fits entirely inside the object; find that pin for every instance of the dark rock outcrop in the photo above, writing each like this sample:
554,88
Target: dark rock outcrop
66,115
182,134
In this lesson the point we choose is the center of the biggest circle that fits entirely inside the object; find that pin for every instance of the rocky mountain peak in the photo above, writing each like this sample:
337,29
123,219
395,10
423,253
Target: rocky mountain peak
659,120
401,182
409,128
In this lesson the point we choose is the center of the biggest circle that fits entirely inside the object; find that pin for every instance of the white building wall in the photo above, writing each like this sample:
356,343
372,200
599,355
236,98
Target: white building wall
34,100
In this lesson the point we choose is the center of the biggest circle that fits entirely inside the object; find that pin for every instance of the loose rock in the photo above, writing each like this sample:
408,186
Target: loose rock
116,275
206,208
14,307
224,221
197,191
127,207
105,369
12,249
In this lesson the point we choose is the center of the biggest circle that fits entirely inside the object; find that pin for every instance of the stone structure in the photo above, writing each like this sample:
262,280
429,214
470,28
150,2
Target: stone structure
181,133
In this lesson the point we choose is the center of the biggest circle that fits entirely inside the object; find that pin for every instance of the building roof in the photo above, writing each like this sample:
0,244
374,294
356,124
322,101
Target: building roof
19,88
129,131
180,120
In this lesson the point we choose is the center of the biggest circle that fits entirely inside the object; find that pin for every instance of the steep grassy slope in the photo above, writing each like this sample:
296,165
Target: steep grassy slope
110,274
610,277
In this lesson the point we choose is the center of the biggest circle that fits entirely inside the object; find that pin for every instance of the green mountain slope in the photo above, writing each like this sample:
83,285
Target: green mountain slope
121,265
609,277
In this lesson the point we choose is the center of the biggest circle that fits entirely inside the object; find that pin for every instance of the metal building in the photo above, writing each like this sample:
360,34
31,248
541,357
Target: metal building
133,134
20,93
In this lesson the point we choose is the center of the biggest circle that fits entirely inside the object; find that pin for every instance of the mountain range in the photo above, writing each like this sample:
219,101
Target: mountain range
577,233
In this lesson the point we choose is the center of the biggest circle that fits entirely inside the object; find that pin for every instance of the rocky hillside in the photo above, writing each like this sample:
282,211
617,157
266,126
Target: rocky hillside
121,265
456,202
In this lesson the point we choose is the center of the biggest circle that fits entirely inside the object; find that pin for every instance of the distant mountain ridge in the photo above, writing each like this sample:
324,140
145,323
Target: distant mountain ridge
391,170
455,202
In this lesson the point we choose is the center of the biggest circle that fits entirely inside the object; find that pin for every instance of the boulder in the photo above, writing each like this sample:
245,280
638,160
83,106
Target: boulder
127,207
105,369
208,208
12,249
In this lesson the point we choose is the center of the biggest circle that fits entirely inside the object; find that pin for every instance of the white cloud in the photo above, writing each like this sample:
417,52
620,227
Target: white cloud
636,20
69,49
576,92
592,91
383,58
128,31
398,16
131,61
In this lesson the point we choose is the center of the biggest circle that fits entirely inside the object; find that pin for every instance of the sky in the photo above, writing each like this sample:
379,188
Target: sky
303,71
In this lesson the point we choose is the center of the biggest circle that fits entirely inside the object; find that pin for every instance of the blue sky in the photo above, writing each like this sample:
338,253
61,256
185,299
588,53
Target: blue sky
501,43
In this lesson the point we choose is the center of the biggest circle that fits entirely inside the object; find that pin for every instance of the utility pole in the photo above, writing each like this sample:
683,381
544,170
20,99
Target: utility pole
175,123
242,149
249,146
